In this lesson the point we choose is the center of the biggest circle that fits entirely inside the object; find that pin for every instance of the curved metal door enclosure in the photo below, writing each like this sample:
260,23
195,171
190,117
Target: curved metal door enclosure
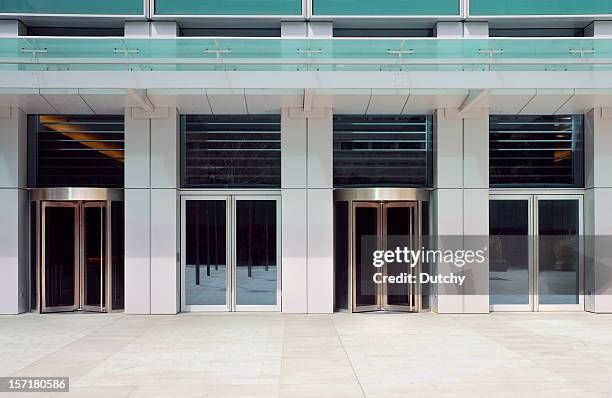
369,220
77,247
230,253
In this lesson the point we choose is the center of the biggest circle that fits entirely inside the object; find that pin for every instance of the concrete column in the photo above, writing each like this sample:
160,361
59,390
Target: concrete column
476,208
137,214
597,211
447,199
461,202
14,266
152,199
165,204
320,214
294,214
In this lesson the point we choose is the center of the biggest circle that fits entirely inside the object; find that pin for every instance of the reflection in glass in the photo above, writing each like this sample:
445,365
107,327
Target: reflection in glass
59,254
341,255
94,247
256,262
509,251
399,221
427,243
118,260
536,151
366,233
206,264
558,251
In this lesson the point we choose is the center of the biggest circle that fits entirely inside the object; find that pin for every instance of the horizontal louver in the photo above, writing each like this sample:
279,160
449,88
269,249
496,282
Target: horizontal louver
536,151
76,151
382,151
231,151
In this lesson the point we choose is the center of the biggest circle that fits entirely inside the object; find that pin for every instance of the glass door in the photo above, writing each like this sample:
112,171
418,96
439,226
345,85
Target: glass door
230,253
511,253
205,254
256,253
399,221
535,253
559,263
93,270
60,257
367,227
383,227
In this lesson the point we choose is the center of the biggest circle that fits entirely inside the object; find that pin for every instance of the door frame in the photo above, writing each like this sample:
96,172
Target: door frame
247,307
43,263
230,200
353,262
533,197
413,288
561,307
105,276
530,272
381,230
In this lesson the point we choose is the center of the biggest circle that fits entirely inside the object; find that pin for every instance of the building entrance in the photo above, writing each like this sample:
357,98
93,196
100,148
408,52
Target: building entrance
79,252
375,231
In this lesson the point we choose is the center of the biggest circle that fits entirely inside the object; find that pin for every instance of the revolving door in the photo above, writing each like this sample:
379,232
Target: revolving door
372,222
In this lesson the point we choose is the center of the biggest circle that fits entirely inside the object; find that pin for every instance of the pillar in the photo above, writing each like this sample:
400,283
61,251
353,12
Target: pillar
597,211
461,203
152,263
14,269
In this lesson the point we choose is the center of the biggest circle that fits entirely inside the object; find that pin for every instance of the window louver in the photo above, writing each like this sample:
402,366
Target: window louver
536,151
76,151
382,151
231,151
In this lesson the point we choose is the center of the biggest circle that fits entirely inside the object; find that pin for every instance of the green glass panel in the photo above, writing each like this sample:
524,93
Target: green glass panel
228,7
385,7
101,7
540,7
182,54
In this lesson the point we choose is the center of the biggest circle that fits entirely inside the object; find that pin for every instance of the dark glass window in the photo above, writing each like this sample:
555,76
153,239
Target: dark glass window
382,151
76,151
536,151
231,151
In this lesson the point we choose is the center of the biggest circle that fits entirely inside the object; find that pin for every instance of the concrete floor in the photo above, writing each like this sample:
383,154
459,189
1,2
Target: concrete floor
341,355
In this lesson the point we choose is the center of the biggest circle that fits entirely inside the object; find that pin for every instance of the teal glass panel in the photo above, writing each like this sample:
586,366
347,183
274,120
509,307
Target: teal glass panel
271,54
228,7
385,7
540,7
92,7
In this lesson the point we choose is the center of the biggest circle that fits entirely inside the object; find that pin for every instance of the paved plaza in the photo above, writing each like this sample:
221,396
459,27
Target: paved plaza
342,355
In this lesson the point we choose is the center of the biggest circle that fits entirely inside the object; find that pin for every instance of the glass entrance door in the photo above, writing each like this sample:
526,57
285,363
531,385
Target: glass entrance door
535,246
60,260
230,253
74,262
383,227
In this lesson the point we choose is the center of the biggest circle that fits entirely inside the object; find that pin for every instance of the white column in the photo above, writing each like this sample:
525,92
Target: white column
461,203
165,265
137,214
598,212
294,214
461,195
447,200
14,266
152,279
320,214
476,208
